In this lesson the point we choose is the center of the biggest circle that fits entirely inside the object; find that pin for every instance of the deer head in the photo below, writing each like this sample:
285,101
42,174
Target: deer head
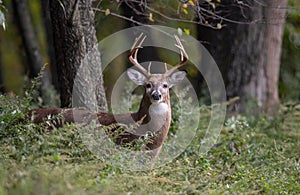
156,85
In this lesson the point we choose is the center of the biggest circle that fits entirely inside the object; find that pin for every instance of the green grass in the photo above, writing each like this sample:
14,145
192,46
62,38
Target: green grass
253,155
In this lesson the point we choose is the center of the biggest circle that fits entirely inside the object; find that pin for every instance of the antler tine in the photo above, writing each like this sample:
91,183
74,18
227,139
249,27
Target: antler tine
135,42
166,67
134,51
149,68
183,57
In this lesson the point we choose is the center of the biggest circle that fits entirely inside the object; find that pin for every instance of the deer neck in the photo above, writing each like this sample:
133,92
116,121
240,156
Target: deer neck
148,109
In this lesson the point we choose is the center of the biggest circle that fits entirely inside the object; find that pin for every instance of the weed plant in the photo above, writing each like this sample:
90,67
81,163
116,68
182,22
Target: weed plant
257,156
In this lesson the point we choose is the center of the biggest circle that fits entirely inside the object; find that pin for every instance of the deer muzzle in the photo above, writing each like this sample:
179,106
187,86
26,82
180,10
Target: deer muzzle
156,95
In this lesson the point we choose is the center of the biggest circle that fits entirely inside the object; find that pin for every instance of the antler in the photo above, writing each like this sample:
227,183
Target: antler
133,54
183,57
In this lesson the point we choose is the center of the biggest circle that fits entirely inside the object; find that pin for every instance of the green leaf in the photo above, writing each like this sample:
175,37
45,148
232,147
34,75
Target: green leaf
187,31
191,2
185,11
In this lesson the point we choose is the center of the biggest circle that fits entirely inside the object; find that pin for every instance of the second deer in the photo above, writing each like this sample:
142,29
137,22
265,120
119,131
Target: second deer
154,114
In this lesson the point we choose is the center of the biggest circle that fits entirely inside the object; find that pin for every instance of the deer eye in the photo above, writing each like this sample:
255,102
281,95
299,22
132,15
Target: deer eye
165,85
148,85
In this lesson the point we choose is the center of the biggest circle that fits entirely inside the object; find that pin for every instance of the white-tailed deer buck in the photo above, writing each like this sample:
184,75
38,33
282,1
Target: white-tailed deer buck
154,114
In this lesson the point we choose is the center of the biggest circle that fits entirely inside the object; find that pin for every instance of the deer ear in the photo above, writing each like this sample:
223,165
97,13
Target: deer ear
137,77
176,77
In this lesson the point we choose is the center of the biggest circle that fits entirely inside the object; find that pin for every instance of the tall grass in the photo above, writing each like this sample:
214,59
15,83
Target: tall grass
251,156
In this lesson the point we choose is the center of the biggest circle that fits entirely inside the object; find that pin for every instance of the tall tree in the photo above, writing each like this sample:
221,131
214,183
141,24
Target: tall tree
74,40
49,38
30,43
248,51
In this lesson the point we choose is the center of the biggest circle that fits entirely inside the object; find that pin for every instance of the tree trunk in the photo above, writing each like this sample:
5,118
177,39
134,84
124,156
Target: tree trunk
276,15
50,44
249,54
76,47
34,57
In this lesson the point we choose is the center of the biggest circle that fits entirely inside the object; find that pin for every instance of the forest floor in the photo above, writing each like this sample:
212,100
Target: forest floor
253,155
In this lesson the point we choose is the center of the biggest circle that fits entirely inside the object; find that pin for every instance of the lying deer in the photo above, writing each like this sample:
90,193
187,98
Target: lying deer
154,114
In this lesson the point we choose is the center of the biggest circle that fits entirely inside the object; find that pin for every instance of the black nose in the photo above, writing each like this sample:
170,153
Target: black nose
156,96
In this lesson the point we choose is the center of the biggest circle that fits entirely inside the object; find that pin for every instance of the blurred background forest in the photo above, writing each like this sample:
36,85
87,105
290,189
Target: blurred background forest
218,24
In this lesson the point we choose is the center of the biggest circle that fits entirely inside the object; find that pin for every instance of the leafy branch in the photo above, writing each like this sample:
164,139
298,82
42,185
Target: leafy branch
208,13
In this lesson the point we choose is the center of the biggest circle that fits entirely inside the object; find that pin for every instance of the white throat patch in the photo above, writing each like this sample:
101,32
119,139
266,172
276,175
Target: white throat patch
158,109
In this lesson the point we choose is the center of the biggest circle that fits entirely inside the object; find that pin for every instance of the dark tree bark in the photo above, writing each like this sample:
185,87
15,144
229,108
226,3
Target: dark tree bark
76,44
249,54
49,38
34,57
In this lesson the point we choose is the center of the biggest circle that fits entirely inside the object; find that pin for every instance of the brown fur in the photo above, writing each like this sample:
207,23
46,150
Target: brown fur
62,116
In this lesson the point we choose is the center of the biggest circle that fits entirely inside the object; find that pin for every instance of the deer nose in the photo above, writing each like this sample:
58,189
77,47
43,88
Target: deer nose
156,96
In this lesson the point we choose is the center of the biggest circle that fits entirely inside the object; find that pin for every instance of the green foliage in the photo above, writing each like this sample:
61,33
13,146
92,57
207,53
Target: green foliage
32,92
290,66
12,108
257,157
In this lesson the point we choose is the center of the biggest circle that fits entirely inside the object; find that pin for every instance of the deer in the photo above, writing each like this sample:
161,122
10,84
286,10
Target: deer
153,115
